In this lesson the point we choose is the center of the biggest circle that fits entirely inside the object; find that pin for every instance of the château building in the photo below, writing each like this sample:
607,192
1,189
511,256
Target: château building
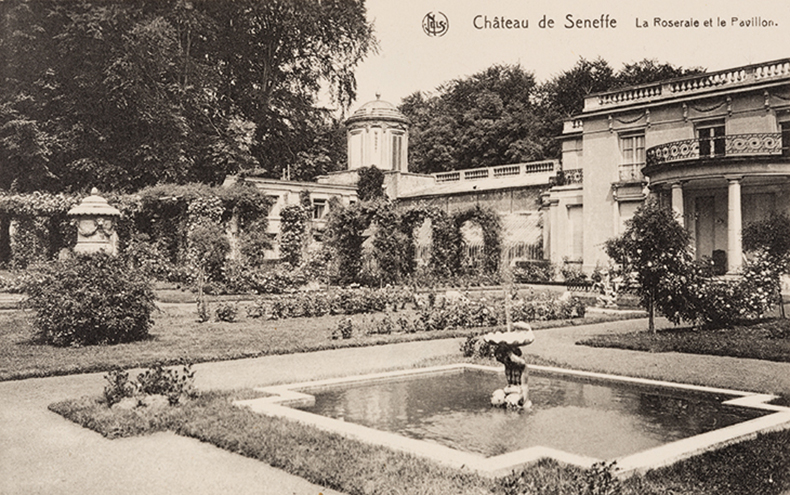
378,135
713,146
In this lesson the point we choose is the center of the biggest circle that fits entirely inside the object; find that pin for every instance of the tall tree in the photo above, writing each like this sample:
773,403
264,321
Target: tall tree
564,93
501,115
650,70
128,94
275,55
483,120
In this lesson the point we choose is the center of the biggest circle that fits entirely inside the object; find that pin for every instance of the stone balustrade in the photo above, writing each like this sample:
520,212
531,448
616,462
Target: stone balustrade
689,85
499,172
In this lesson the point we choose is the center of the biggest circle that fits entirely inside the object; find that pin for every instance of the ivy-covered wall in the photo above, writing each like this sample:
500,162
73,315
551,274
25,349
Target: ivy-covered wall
154,221
392,231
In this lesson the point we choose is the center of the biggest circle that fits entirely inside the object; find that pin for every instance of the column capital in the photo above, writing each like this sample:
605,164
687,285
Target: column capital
734,178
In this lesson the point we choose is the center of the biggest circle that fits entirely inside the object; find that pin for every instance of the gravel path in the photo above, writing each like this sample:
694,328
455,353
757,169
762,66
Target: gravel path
40,452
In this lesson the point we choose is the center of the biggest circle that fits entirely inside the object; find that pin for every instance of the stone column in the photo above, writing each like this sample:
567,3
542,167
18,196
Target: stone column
554,231
734,224
546,217
677,202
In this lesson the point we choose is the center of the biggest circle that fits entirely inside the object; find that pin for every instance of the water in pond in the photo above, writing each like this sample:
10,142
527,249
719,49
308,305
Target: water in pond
600,419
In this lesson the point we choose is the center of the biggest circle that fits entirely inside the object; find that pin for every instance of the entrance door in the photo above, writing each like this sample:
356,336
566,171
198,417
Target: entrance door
704,228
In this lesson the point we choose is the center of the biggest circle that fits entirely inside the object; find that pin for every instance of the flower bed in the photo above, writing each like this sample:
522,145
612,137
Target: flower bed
434,313
334,302
465,313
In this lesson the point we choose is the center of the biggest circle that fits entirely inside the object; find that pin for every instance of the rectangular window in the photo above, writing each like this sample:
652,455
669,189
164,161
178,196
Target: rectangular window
397,148
711,139
355,150
319,208
632,148
785,126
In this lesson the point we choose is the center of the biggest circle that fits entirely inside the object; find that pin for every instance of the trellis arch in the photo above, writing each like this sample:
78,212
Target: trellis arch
446,239
489,221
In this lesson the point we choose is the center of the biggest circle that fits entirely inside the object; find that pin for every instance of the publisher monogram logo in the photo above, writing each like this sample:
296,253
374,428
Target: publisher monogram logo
435,24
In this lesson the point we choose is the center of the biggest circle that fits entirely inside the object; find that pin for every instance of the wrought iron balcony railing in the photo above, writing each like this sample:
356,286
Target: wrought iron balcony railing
761,144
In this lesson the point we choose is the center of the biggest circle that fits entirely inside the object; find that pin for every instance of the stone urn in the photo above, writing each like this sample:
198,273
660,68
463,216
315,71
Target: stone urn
96,221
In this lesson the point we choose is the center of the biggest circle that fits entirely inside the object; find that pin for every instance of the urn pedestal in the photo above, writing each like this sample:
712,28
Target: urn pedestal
96,221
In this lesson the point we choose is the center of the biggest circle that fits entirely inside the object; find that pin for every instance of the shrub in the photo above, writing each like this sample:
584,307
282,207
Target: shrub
149,258
208,250
240,277
227,312
90,299
476,346
170,382
717,303
344,329
533,271
547,308
385,326
337,302
572,273
118,387
157,380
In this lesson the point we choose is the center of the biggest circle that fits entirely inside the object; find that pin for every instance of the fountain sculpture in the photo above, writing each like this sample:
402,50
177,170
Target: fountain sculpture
507,351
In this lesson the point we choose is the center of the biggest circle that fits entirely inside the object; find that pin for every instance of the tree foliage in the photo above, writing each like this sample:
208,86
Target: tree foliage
483,120
293,230
655,247
370,183
769,240
502,115
564,94
129,94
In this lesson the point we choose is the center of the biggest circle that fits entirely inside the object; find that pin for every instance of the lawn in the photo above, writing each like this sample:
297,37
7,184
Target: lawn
324,458
768,340
757,466
177,336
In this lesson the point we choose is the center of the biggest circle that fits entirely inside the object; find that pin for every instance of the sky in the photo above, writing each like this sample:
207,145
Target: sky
410,60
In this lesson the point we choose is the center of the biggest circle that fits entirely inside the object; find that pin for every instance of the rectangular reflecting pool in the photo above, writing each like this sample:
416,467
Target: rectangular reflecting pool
595,419
576,417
